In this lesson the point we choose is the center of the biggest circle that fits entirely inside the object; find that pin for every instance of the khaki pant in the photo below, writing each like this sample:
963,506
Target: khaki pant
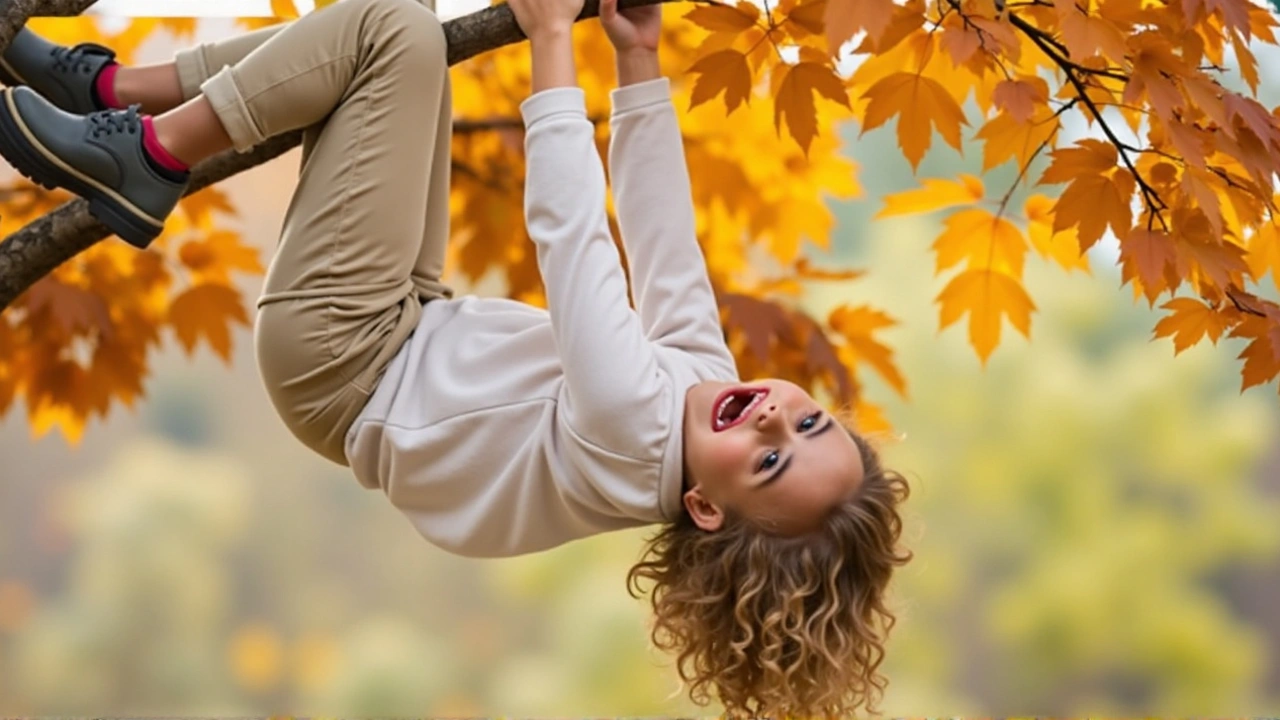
363,240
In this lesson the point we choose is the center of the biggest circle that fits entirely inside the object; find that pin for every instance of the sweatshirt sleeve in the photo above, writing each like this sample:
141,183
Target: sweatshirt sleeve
655,213
610,369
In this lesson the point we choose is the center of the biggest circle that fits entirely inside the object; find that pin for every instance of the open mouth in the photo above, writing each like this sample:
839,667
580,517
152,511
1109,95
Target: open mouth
734,405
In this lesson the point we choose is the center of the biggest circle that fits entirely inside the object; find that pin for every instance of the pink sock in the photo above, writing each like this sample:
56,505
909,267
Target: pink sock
106,86
157,152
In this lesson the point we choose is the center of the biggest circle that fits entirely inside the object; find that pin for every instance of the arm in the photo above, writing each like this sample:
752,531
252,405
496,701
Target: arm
610,370
655,212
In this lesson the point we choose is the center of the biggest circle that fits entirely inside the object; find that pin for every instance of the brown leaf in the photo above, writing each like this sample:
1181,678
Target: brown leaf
73,308
207,311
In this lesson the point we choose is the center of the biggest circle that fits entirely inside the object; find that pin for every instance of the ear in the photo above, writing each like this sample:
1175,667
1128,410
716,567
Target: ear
706,514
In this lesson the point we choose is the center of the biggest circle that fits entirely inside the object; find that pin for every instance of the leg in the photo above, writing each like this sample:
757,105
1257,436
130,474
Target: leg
364,234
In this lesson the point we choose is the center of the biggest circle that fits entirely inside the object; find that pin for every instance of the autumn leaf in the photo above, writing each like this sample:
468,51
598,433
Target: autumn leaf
721,18
795,99
284,9
1146,256
1008,139
809,17
921,104
1091,203
1089,157
987,296
725,72
219,252
858,325
1088,35
1021,97
1189,321
845,17
1264,253
937,193
1062,247
984,240
1262,355
207,311
73,308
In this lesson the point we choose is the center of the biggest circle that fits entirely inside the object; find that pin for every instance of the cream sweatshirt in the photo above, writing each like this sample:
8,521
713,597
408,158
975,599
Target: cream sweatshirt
500,428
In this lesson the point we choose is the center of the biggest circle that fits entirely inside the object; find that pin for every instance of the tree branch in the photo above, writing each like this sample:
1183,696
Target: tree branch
34,251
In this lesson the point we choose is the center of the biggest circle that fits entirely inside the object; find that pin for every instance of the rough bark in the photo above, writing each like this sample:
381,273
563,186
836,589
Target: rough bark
34,251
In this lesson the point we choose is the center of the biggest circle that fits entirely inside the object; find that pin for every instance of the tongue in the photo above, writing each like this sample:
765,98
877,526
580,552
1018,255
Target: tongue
735,407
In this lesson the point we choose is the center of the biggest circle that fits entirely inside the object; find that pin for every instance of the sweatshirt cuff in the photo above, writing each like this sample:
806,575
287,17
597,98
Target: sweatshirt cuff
634,97
554,101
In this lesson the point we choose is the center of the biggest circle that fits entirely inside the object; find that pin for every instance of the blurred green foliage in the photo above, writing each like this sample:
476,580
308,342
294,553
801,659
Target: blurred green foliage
1094,523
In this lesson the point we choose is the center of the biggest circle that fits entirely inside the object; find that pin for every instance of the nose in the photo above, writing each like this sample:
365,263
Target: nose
768,416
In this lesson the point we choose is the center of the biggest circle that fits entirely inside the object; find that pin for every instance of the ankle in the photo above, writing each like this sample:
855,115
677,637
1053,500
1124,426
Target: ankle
159,157
104,87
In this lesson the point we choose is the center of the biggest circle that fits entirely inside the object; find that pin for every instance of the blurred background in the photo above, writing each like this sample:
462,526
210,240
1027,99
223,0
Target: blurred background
1096,527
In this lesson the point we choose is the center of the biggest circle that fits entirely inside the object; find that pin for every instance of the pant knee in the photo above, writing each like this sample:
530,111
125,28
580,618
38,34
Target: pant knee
409,25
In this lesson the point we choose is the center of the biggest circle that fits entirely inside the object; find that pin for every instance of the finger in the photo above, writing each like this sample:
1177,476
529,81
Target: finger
608,9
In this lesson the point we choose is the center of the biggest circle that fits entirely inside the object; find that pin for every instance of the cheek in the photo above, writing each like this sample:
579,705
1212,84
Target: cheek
730,451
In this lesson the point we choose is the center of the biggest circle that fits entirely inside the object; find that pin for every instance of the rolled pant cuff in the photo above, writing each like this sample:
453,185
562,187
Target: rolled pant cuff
193,70
229,105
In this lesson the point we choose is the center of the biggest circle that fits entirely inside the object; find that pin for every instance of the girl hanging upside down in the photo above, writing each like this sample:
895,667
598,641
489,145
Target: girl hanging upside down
496,427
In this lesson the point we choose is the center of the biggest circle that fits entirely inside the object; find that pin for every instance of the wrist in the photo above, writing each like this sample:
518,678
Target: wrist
559,32
637,65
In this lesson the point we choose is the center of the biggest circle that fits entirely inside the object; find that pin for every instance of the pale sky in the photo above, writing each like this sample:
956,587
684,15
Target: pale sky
236,8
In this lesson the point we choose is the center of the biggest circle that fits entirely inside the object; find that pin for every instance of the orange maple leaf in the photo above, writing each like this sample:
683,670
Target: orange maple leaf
858,327
725,72
1189,321
921,104
1146,256
1021,97
207,311
1262,355
722,18
987,296
795,99
1091,203
845,17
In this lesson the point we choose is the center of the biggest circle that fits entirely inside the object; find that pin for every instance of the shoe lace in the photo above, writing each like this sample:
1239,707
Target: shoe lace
110,122
73,59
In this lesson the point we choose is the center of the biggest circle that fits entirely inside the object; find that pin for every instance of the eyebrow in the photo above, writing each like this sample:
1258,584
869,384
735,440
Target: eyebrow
787,463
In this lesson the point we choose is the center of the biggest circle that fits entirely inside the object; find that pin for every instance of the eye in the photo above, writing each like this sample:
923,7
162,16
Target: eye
769,461
809,423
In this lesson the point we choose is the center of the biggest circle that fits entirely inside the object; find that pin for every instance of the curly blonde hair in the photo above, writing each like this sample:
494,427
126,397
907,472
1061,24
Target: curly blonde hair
780,626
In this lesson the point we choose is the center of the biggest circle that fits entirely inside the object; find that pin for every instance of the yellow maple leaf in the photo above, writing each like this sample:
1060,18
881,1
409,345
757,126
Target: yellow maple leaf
921,104
987,296
1264,254
795,99
937,193
1007,139
1061,247
284,9
983,240
207,311
1189,321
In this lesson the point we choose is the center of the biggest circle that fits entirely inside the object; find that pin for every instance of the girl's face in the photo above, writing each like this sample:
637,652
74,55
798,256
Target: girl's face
767,450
